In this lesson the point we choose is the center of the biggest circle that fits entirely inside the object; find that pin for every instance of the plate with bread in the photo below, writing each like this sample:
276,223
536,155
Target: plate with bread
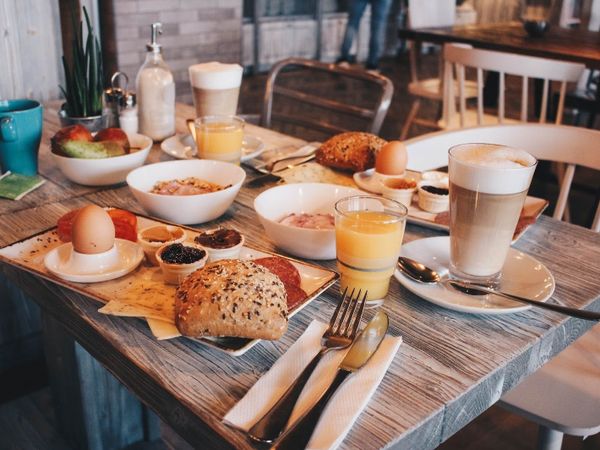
233,296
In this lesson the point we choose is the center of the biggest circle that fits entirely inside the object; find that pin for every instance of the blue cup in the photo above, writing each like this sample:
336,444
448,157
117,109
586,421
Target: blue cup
20,135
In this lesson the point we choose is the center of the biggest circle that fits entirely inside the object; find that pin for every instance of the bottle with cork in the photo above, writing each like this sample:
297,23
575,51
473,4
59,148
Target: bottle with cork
155,89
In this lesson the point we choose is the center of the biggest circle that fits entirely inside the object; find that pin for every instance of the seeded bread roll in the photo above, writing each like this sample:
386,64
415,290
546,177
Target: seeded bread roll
232,298
353,150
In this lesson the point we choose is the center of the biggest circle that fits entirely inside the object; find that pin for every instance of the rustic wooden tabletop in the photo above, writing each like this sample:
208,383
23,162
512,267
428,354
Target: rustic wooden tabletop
451,367
565,44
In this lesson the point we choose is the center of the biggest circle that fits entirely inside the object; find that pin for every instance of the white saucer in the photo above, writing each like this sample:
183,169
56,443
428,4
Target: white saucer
182,146
367,181
130,256
522,275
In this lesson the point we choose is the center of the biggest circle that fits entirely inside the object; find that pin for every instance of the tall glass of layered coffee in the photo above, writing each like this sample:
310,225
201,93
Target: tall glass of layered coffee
216,88
488,186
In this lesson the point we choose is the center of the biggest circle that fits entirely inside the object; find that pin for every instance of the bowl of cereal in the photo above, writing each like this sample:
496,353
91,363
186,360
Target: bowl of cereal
298,218
187,191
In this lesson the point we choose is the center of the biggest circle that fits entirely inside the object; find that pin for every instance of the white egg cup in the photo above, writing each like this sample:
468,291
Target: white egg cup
91,263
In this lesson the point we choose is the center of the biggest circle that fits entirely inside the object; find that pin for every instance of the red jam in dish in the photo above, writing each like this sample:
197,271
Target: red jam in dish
220,239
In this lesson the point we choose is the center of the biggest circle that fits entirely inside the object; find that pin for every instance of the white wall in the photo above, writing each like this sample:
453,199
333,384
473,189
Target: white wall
30,49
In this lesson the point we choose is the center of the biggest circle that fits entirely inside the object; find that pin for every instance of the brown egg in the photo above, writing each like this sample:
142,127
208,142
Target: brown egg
93,231
391,159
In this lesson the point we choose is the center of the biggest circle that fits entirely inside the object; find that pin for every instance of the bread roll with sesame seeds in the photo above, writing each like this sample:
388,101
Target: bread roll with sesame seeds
232,298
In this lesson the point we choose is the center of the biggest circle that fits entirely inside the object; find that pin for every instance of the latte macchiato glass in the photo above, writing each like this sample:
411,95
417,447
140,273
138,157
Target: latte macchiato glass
488,186
216,88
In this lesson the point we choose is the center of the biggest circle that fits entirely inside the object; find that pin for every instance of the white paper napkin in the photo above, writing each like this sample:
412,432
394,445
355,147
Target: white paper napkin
342,410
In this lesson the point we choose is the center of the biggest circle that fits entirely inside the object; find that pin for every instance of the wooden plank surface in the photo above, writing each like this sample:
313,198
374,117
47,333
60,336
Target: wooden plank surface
451,367
565,44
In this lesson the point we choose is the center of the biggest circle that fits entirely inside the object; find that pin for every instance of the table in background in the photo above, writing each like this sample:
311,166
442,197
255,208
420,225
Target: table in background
450,369
567,44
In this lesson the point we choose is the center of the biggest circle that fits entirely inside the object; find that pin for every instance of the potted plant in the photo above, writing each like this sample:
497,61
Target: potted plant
83,81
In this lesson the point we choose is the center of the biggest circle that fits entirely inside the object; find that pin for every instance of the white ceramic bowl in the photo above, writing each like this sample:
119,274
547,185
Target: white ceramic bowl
105,171
186,209
276,203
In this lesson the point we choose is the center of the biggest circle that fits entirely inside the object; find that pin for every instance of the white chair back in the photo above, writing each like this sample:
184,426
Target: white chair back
522,66
558,143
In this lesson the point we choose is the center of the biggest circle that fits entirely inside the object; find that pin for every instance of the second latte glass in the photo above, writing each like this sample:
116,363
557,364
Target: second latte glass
220,138
488,186
368,236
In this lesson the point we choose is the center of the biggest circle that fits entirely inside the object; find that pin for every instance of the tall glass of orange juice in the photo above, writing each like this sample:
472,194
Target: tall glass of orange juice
368,237
220,138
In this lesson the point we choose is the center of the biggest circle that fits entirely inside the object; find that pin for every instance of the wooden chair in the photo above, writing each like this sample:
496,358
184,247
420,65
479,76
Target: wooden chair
563,396
426,14
314,96
526,67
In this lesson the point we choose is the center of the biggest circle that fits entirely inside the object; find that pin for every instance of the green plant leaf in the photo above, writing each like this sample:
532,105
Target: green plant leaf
84,79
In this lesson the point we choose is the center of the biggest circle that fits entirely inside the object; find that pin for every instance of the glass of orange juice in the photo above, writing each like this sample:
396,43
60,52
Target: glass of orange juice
368,237
220,138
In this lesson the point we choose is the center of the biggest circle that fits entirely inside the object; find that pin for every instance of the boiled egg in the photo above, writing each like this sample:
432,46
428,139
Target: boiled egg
391,159
93,231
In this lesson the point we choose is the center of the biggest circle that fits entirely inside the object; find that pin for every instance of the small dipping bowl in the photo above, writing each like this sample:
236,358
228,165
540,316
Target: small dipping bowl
399,189
151,246
88,263
220,252
174,273
430,202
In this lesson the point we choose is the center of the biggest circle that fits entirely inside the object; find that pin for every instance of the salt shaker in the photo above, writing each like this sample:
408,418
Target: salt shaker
128,116
113,99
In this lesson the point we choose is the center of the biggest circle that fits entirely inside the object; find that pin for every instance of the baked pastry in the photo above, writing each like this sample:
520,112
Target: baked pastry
353,150
232,297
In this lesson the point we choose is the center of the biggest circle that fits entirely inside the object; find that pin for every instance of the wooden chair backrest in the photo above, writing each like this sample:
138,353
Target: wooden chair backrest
522,66
380,91
558,143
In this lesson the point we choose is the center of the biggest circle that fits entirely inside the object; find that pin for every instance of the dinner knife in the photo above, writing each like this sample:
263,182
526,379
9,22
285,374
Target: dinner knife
367,343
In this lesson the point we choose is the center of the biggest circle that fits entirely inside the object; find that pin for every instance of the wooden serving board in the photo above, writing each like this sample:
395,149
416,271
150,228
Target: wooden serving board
143,293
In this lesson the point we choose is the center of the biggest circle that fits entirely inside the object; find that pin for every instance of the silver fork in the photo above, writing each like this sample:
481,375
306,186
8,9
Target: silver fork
340,334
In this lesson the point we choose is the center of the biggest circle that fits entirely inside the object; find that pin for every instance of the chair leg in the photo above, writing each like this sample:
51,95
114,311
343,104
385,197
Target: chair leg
549,439
414,109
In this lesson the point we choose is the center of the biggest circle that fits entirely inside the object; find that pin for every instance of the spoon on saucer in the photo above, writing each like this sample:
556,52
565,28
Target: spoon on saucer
421,273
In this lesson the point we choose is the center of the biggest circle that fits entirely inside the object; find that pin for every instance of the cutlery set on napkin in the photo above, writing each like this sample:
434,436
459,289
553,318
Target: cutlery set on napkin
271,166
338,390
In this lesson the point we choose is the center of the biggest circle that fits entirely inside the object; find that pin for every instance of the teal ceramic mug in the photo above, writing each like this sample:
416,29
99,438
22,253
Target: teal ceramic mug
20,135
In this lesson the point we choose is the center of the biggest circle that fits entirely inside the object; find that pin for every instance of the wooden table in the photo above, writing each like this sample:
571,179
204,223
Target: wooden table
558,43
450,369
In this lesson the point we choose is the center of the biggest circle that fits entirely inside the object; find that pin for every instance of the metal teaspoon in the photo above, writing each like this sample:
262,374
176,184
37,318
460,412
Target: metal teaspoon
423,274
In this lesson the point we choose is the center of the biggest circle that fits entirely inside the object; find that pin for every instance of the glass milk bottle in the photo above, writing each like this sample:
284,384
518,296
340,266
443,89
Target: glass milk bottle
155,90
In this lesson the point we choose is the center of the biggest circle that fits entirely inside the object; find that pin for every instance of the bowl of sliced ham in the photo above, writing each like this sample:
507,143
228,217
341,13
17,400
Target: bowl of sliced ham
298,218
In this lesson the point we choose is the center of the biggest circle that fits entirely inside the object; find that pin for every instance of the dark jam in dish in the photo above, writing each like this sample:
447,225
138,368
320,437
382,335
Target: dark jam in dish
181,254
221,238
435,190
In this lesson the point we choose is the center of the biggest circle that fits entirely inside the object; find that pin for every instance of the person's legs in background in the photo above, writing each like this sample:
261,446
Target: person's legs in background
379,15
357,9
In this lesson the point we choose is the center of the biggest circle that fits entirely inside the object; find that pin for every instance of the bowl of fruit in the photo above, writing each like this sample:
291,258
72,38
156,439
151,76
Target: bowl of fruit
101,159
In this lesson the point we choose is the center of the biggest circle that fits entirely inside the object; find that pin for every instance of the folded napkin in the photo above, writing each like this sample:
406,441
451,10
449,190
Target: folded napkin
342,410
15,185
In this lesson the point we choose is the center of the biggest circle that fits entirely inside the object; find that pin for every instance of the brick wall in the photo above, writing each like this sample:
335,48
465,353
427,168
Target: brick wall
193,31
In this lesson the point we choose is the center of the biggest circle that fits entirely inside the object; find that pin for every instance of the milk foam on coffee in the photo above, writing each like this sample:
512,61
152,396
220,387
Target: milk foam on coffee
491,169
215,75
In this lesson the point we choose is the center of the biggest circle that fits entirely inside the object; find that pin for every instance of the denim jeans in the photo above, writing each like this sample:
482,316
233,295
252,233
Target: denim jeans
379,13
